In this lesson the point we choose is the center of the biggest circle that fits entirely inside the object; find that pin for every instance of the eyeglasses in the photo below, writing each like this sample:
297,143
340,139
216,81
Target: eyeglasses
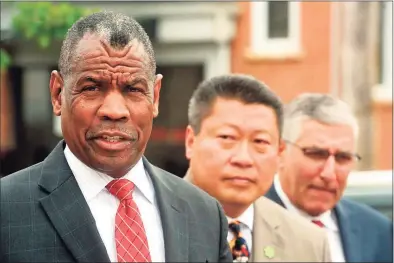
320,154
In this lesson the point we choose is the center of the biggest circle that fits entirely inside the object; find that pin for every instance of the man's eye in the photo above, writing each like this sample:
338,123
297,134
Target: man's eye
343,157
226,137
132,89
261,141
90,88
316,153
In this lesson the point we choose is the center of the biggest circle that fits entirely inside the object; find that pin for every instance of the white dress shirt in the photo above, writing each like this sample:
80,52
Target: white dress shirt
246,225
327,218
104,205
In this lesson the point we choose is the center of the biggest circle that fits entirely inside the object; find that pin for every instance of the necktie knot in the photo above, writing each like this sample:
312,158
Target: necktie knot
121,188
318,223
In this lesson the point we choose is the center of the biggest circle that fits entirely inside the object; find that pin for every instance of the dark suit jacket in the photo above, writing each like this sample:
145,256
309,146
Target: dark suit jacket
366,235
45,218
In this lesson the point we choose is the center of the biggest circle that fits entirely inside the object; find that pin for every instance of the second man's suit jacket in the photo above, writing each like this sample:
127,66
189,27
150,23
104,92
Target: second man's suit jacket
45,217
291,238
280,236
366,235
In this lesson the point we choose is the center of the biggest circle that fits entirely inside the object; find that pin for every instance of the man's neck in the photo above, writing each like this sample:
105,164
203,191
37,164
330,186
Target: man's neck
230,210
233,211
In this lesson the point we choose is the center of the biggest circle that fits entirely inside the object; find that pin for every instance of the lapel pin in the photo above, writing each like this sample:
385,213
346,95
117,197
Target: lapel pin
269,252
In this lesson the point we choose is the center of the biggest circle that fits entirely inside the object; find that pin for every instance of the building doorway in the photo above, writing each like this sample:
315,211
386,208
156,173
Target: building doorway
166,146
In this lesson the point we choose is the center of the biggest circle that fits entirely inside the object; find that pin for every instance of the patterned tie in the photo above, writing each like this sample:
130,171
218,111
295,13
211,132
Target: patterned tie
318,222
238,245
130,237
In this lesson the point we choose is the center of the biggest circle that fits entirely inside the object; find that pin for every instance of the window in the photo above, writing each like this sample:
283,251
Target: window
384,89
275,28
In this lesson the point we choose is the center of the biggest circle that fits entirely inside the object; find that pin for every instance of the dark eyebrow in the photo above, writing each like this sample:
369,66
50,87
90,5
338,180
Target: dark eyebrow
137,80
91,79
88,79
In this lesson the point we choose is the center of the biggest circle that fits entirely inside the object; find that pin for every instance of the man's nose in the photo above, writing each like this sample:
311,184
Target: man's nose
114,107
328,171
242,157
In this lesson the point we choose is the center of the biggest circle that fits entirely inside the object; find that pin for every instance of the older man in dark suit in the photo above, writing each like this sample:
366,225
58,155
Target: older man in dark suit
95,198
321,134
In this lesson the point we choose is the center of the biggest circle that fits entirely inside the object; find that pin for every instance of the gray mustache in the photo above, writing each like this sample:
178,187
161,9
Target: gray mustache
93,133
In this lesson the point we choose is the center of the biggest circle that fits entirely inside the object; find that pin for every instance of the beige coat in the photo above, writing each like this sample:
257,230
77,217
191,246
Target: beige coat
291,237
280,236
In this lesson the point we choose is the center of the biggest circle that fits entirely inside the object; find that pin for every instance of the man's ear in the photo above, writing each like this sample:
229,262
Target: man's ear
56,86
282,152
156,94
189,141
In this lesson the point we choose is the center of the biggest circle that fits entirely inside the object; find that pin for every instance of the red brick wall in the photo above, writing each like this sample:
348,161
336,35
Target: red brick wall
310,71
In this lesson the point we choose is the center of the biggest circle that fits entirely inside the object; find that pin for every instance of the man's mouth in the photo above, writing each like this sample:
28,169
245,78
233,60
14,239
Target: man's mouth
112,138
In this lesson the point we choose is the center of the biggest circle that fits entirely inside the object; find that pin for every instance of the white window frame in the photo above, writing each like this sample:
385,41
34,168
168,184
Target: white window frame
261,44
384,91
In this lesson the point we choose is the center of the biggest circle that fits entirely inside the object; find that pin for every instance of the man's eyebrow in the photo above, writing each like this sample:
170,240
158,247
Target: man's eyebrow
91,79
136,80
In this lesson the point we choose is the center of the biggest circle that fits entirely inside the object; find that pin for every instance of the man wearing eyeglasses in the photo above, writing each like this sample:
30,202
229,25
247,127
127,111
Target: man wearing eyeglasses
321,133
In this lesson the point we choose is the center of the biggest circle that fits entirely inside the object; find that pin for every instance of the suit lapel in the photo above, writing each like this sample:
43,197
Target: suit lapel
273,195
268,245
68,211
173,216
351,243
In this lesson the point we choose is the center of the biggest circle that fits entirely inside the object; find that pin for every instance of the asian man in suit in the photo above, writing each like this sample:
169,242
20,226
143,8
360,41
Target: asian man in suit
321,133
96,198
233,144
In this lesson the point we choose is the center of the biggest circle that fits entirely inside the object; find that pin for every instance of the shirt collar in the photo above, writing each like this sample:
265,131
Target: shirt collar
93,182
245,218
327,218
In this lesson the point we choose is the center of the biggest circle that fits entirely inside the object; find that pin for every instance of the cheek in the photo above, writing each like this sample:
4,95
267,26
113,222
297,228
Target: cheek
267,164
266,167
141,113
302,175
82,115
210,155
342,180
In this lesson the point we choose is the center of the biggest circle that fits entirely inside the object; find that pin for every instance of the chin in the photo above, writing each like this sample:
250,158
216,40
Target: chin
317,209
239,199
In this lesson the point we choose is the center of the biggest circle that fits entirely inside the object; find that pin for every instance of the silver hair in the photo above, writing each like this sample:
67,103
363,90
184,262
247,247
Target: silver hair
319,107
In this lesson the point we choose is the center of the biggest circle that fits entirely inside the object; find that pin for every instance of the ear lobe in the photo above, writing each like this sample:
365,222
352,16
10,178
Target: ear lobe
156,94
56,86
189,141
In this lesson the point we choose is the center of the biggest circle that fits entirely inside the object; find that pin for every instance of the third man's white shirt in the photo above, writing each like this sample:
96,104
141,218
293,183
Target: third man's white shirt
327,218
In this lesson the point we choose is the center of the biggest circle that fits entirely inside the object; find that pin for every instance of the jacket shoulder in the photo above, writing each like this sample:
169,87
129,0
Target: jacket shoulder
21,186
364,214
183,188
22,178
293,225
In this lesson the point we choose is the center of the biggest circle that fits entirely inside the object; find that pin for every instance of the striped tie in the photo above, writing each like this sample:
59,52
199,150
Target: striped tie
130,237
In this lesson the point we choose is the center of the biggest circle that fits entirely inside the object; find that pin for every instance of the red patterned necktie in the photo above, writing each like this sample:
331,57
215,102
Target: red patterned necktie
130,237
318,222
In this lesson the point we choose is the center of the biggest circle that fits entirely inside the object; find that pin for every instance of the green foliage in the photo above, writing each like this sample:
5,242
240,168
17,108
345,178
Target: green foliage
45,22
5,59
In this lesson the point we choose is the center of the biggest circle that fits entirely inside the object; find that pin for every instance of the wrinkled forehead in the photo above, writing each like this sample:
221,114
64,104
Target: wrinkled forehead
336,136
102,42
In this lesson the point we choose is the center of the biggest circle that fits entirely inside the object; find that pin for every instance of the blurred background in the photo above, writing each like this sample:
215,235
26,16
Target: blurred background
340,48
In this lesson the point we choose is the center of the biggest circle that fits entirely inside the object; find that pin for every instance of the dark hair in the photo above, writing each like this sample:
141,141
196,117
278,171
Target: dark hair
233,86
118,29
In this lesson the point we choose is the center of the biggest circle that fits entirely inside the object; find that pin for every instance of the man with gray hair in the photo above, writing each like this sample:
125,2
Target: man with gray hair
96,198
321,134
